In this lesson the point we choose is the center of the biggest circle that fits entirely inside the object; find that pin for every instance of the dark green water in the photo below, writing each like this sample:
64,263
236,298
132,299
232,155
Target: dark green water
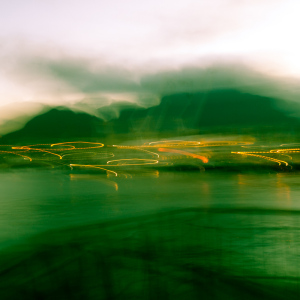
172,235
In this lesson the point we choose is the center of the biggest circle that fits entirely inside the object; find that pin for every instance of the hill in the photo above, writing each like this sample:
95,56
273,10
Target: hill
218,111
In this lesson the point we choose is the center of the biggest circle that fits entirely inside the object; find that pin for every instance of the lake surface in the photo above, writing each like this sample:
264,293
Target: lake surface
233,234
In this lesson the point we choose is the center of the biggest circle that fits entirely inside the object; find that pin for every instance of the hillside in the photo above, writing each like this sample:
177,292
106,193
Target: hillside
219,111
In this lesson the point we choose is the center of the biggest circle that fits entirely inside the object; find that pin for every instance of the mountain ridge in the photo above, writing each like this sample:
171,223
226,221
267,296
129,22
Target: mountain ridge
217,111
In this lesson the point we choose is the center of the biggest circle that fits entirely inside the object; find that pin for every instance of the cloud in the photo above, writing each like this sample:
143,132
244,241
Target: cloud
89,85
89,78
221,75
14,116
82,76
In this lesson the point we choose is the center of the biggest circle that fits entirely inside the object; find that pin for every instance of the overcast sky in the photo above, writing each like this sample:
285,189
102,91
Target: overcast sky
68,51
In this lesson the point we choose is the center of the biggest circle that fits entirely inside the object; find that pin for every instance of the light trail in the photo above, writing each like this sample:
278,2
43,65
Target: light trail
2,151
293,150
100,145
150,162
28,148
92,154
263,157
174,143
76,152
269,152
93,166
224,143
185,144
284,151
60,157
137,148
203,158
153,153
71,147
290,144
290,157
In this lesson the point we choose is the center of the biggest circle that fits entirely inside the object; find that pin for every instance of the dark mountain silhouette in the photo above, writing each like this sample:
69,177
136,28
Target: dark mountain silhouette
57,124
216,111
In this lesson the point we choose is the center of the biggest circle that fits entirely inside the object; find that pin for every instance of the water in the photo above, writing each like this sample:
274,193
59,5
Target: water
159,235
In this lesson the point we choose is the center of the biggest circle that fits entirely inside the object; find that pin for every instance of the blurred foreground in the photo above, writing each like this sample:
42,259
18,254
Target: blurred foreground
152,235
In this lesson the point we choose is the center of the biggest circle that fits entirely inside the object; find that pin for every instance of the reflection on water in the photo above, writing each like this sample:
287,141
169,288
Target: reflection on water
189,234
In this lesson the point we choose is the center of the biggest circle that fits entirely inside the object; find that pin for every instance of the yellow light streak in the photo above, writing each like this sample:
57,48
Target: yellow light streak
100,145
147,151
145,162
269,152
294,150
2,151
27,148
71,147
290,157
93,154
263,157
203,158
253,152
174,143
185,144
93,166
138,148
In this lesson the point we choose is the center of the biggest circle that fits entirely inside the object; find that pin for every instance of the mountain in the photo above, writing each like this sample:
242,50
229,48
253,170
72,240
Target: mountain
218,111
57,124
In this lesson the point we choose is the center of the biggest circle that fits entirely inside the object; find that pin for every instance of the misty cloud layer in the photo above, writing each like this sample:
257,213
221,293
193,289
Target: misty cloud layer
103,90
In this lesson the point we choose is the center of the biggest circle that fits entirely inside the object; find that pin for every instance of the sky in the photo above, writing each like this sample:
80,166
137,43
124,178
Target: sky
87,54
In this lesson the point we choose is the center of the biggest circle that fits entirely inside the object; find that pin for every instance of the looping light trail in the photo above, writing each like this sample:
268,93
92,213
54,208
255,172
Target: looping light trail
100,145
66,144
